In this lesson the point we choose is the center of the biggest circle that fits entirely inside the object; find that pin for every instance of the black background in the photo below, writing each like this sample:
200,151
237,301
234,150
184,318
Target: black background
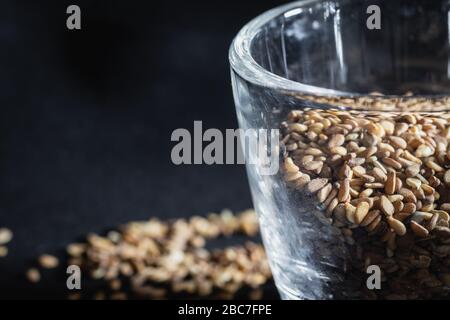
86,118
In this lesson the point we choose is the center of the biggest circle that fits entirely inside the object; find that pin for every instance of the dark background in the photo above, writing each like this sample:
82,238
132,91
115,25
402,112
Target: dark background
86,118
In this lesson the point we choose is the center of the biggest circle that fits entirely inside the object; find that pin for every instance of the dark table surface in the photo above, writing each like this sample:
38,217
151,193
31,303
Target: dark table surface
86,118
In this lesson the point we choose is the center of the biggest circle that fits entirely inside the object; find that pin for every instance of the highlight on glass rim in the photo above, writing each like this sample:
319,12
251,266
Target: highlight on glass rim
225,156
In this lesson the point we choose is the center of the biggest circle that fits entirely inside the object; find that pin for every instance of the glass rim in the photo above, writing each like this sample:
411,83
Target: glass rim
244,64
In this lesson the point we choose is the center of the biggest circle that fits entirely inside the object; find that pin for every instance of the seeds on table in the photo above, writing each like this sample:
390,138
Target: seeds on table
150,254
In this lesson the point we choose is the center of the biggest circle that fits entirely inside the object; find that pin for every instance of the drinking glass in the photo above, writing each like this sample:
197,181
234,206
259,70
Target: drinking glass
368,73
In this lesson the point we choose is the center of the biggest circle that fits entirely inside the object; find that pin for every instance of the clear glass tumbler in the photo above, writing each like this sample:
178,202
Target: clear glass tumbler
359,95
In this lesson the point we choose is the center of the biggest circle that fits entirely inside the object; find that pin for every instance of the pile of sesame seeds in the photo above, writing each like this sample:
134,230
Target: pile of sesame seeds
159,259
407,102
382,180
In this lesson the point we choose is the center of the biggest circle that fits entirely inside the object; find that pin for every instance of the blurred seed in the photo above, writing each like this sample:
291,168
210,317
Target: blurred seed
418,229
74,296
336,140
302,181
443,215
397,225
47,261
391,162
316,184
424,151
379,174
433,221
119,296
313,165
350,212
344,190
359,171
297,127
445,207
413,183
371,227
369,218
366,193
99,295
345,172
76,249
390,183
332,206
313,151
33,275
115,284
339,150
324,192
374,185
398,205
447,177
409,207
434,166
408,195
3,251
6,236
412,170
290,166
398,142
361,211
386,206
